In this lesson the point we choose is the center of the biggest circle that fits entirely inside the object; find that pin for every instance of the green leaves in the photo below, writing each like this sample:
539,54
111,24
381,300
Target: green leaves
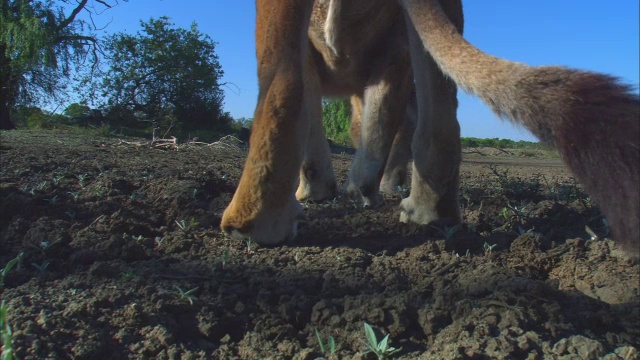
382,348
6,333
336,119
167,75
41,45
330,347
8,267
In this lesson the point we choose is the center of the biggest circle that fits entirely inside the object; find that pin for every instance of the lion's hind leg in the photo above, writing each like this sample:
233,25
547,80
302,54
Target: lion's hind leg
436,144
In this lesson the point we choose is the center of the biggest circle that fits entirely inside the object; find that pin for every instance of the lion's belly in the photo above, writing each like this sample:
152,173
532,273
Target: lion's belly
361,46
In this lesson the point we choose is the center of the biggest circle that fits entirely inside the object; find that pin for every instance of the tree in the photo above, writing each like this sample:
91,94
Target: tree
82,115
41,43
336,119
165,75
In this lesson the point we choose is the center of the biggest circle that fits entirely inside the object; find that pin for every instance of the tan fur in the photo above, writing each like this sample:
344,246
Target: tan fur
395,172
591,118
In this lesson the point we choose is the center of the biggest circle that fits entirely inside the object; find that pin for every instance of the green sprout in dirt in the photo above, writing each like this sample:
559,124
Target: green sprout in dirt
505,213
82,178
187,226
71,214
100,191
381,349
249,243
75,195
41,185
488,248
6,345
225,258
42,268
522,231
158,240
53,200
44,246
329,348
518,214
127,275
194,193
449,231
135,195
57,179
594,236
27,189
187,295
8,267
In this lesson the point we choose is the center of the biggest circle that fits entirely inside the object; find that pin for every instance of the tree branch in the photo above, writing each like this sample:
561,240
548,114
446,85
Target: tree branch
63,38
73,15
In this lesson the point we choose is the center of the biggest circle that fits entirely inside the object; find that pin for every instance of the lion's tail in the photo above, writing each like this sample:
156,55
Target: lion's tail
592,119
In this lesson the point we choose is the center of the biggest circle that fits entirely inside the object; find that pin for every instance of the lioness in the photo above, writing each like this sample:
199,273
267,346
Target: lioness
591,118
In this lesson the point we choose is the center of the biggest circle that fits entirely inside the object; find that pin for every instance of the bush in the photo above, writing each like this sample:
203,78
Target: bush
336,119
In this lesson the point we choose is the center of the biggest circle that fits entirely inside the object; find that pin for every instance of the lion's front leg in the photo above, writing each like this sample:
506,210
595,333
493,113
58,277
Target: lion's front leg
264,207
385,98
317,179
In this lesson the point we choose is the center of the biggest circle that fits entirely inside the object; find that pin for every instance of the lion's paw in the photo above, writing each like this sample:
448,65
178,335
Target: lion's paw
266,227
417,212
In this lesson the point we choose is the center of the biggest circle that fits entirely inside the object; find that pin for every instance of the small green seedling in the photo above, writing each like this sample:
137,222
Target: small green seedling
127,275
41,185
522,231
57,179
6,348
8,267
187,295
449,231
71,214
42,268
135,195
186,226
54,200
158,240
249,242
488,248
505,213
82,178
328,348
74,195
44,246
381,349
225,258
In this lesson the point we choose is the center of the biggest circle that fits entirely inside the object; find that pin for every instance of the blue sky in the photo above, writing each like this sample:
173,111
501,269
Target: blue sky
584,34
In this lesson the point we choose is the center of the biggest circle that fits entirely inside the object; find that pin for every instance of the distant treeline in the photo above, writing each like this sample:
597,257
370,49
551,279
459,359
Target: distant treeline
336,116
472,142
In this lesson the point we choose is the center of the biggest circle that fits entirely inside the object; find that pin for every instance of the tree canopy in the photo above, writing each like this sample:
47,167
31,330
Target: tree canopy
336,118
41,43
165,75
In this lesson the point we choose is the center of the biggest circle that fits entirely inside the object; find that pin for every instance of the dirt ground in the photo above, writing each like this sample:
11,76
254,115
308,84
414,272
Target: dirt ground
122,258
